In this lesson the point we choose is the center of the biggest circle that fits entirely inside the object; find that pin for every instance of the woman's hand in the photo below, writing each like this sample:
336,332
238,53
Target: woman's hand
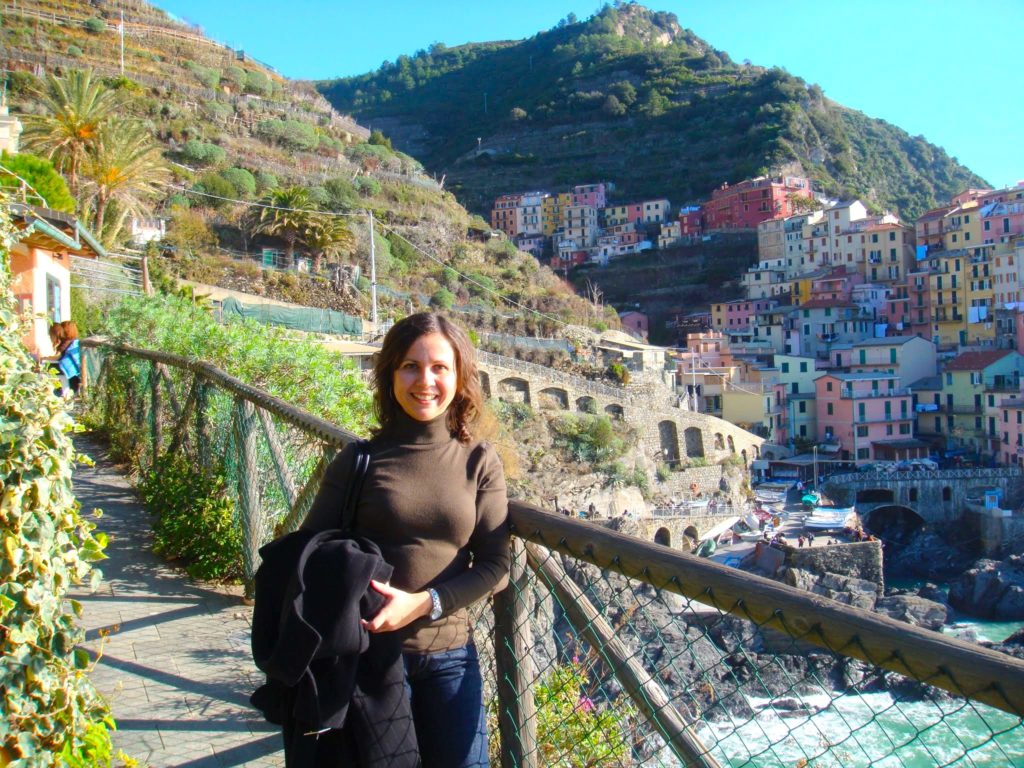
401,608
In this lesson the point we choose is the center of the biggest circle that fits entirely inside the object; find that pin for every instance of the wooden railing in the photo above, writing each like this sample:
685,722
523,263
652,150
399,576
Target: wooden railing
283,451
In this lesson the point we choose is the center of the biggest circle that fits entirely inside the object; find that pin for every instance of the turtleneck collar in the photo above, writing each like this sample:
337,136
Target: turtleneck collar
406,429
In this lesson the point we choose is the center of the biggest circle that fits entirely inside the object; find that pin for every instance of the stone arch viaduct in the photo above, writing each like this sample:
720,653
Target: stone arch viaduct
667,433
934,495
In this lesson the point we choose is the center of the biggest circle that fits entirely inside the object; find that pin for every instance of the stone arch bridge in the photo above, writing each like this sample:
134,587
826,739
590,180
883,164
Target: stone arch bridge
667,433
933,495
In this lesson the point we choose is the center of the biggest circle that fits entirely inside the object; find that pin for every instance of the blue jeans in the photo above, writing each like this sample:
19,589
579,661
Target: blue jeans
447,708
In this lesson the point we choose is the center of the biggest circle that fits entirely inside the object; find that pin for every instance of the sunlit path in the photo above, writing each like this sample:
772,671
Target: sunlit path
174,657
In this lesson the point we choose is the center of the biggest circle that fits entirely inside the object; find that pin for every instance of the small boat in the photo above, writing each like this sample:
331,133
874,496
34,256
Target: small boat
831,518
811,499
772,493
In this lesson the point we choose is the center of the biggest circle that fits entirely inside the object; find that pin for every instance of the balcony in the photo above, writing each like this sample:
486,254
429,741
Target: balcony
863,394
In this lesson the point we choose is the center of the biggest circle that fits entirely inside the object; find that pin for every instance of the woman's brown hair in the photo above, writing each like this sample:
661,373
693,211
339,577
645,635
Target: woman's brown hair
468,400
70,330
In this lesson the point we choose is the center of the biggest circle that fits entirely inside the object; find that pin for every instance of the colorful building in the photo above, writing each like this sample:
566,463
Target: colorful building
552,212
44,243
868,415
505,215
747,204
593,195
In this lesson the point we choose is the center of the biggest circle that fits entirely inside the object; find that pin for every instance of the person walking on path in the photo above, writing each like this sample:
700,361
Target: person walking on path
435,503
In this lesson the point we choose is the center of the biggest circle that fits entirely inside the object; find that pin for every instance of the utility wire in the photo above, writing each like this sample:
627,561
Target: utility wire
392,230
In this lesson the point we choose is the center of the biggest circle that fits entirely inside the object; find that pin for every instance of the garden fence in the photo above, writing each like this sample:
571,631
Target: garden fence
607,650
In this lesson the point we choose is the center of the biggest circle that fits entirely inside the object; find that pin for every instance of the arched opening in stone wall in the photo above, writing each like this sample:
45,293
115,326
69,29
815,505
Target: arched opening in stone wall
485,384
514,390
756,450
743,453
663,536
893,522
614,411
876,496
732,445
669,438
694,442
691,538
947,493
554,399
719,442
586,404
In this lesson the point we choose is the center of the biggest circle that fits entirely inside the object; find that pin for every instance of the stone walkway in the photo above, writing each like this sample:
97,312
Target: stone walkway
174,657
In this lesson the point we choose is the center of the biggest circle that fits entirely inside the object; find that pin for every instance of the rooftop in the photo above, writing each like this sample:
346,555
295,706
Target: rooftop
976,361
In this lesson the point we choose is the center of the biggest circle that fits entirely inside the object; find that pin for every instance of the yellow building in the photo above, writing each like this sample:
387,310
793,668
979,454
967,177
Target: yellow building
553,212
948,298
962,226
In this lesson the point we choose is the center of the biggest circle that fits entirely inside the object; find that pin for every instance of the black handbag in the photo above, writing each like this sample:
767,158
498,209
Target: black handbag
360,465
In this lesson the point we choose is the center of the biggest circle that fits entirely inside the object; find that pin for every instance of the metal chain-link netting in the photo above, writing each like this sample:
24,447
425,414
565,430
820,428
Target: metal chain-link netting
590,659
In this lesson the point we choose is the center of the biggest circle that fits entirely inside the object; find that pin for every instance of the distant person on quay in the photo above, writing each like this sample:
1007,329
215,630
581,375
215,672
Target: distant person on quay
434,502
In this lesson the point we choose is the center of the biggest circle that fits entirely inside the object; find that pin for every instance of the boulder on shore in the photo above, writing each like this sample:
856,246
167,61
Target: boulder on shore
992,589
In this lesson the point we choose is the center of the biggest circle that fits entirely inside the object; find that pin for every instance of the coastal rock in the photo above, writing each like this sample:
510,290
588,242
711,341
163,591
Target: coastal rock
860,593
928,555
992,589
932,592
913,610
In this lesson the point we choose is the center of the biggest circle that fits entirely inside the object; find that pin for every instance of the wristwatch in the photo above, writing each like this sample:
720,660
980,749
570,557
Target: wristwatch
435,604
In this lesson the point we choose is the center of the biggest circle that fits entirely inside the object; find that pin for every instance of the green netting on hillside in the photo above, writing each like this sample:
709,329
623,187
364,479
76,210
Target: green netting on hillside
309,319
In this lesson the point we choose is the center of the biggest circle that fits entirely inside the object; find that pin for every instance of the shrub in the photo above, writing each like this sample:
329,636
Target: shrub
194,518
52,714
367,186
95,25
216,185
442,299
289,134
265,180
242,180
259,84
202,153
208,76
379,139
588,438
234,76
39,173
619,372
74,51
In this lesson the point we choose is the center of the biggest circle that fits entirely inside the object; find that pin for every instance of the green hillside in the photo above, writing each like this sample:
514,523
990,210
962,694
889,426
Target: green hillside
232,129
632,97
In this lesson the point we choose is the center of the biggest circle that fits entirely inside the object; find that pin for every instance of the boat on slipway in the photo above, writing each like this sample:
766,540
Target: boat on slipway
831,518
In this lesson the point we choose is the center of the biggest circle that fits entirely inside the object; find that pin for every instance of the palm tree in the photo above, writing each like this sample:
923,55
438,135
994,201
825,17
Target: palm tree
286,213
76,108
124,169
326,235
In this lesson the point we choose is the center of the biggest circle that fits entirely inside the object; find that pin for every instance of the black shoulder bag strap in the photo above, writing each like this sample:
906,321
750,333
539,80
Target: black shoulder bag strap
360,464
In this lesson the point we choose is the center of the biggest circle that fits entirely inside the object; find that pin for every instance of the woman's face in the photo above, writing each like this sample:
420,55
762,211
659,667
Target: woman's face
425,381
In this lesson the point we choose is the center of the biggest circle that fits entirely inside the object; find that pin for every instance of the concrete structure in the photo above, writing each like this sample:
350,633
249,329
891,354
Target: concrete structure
935,496
667,433
909,357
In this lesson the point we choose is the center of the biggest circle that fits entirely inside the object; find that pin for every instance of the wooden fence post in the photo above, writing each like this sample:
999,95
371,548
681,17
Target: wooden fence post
513,660
250,512
156,405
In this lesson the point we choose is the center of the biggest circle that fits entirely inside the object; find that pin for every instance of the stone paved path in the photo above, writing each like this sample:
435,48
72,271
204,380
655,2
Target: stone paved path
174,657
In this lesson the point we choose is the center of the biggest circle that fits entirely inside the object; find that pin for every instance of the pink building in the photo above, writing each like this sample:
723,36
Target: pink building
1009,424
1001,221
594,195
837,285
737,314
506,215
635,322
868,415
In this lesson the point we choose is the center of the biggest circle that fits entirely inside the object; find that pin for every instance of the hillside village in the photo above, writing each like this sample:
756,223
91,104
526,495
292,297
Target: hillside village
873,339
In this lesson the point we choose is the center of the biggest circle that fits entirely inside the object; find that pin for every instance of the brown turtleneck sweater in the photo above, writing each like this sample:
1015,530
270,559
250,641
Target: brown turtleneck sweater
438,510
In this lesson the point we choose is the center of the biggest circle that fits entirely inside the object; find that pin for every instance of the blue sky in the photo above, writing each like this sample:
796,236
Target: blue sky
944,69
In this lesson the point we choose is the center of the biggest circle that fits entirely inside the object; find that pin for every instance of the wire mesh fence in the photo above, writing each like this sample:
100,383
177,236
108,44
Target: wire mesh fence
607,650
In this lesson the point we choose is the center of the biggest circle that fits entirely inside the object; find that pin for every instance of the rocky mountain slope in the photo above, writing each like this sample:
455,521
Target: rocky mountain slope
633,97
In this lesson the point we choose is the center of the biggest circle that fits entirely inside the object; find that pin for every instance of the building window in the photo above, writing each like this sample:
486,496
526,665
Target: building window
802,406
803,367
828,386
862,453
828,409
862,431
904,429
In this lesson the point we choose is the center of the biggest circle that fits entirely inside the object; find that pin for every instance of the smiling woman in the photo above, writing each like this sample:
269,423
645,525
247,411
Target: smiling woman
434,502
